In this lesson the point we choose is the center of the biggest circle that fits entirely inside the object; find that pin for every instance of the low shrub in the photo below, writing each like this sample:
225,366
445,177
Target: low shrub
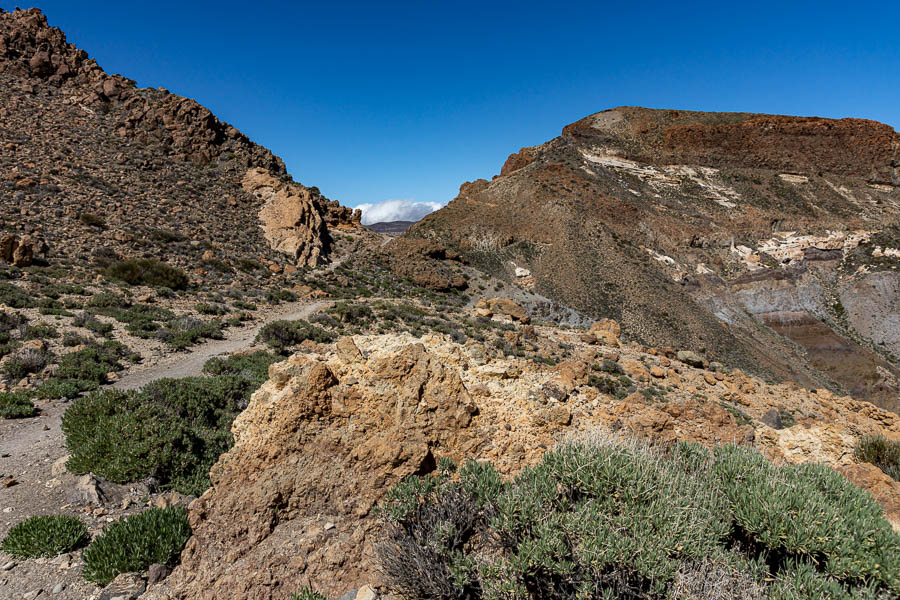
40,331
253,366
92,220
600,518
108,300
70,339
141,320
132,544
10,321
881,452
308,593
278,296
281,335
171,429
93,324
147,271
16,405
26,361
94,362
184,332
205,308
45,536
13,297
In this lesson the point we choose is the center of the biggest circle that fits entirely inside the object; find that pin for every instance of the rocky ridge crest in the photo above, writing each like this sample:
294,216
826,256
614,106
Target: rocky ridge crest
151,170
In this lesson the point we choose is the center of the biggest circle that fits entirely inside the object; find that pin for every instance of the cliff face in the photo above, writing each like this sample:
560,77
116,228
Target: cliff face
151,168
709,230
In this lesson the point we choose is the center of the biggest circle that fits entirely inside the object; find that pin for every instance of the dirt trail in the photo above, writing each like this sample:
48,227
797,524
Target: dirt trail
191,363
29,447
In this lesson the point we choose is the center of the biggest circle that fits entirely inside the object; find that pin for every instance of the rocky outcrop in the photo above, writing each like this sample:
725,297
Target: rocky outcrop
321,442
425,263
20,251
30,48
91,163
294,218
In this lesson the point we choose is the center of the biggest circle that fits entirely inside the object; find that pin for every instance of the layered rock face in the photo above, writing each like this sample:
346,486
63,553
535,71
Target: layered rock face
321,442
157,174
702,230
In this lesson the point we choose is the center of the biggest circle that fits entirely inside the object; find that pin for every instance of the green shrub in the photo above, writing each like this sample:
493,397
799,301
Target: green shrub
205,308
108,300
277,296
41,331
13,297
134,543
92,220
598,518
281,335
253,366
16,405
308,593
142,320
93,324
94,362
881,452
147,271
26,361
184,332
70,339
171,429
45,536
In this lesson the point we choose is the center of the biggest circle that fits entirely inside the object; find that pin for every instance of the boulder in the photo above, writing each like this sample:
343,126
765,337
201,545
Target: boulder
691,358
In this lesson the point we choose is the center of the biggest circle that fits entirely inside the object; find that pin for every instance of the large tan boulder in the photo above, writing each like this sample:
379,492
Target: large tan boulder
502,306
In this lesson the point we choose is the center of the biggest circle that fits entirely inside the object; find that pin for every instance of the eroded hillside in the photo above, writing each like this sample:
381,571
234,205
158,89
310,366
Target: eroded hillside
769,241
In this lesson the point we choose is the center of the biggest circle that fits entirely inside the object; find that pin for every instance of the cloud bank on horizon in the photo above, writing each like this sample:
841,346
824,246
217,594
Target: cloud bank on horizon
396,210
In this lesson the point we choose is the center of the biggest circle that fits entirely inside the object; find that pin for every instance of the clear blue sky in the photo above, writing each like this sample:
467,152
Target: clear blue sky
374,101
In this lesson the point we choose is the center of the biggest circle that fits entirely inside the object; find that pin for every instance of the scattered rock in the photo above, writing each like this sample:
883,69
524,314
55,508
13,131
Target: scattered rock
772,419
691,358
58,469
157,573
366,593
127,586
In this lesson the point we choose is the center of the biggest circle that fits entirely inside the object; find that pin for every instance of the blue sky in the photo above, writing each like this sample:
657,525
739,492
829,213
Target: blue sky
381,101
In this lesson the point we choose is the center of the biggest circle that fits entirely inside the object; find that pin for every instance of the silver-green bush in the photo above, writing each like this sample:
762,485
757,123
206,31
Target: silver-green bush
600,518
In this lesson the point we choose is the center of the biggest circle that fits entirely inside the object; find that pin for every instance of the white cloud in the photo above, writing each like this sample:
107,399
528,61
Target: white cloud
396,210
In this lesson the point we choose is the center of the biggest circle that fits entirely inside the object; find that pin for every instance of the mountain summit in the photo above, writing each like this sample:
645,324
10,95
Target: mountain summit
768,241
87,152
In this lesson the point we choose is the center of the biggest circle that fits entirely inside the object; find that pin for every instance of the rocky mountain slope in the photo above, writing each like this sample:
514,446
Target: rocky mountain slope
93,165
770,242
293,503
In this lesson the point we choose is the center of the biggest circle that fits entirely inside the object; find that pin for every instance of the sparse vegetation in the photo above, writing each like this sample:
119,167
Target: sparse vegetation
881,452
308,593
600,518
26,361
133,544
45,536
281,335
147,271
